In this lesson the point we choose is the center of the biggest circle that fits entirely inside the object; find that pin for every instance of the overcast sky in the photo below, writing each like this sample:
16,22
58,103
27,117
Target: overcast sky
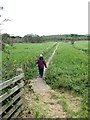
45,17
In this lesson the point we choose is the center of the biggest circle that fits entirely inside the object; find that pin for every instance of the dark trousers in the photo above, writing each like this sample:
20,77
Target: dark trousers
41,72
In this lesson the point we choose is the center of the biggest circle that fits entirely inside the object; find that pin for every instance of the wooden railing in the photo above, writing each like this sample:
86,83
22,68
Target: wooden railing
10,97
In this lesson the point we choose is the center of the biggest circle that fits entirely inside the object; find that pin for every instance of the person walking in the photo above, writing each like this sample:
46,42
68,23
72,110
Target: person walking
41,63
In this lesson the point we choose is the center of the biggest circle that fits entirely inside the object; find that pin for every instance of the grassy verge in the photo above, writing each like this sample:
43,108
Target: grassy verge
72,103
69,70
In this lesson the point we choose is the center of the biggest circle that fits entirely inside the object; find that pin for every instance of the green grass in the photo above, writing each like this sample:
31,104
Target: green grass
21,52
24,55
81,45
69,70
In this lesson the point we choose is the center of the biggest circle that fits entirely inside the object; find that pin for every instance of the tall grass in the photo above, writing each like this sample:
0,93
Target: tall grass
24,55
69,70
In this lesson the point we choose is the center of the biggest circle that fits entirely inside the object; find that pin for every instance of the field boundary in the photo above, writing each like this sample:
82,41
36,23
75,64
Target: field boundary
10,96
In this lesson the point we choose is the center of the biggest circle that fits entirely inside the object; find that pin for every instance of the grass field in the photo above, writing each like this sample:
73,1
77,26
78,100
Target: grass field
69,70
23,54
81,45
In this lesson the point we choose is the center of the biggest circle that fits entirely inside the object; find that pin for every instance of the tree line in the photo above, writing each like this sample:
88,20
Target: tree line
6,38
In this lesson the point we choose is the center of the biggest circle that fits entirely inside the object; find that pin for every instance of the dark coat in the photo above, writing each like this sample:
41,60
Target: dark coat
41,63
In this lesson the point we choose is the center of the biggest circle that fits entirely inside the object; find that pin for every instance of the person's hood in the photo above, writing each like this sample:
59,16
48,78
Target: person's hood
41,55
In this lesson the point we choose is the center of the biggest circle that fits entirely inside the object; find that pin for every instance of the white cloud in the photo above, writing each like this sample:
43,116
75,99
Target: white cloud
44,17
